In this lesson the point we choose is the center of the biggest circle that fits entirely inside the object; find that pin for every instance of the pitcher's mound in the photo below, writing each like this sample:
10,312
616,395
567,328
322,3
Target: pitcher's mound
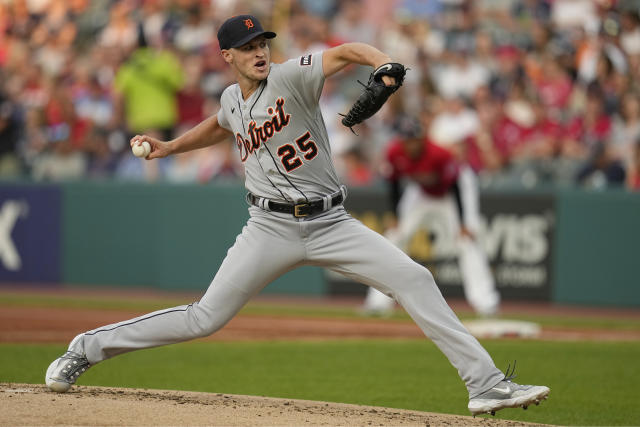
34,405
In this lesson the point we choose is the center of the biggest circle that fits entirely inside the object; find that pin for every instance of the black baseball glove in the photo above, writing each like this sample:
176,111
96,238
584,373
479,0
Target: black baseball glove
375,93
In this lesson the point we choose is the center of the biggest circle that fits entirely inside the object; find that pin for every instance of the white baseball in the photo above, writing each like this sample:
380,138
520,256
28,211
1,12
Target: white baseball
141,150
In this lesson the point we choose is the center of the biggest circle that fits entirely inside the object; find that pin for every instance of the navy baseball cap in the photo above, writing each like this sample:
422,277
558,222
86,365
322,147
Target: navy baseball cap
239,30
407,126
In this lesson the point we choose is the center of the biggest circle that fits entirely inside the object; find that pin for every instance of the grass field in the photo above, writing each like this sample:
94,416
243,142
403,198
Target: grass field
592,383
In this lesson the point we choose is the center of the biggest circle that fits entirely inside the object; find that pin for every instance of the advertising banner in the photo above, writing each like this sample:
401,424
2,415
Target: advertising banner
29,234
516,232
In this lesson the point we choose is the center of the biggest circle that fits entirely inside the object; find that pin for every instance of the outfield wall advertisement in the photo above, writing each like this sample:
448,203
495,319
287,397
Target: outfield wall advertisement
29,234
516,233
569,246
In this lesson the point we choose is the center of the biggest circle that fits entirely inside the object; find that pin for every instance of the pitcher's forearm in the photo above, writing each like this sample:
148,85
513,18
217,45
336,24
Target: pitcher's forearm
364,54
336,58
207,133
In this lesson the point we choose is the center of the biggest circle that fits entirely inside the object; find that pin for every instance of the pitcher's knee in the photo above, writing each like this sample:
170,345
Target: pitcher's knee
204,323
416,277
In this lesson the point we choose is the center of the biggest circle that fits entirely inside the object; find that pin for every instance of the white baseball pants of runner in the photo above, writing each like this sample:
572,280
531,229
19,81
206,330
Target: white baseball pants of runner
270,245
439,214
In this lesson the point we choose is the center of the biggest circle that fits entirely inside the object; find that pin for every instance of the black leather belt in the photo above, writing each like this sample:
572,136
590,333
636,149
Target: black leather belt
299,210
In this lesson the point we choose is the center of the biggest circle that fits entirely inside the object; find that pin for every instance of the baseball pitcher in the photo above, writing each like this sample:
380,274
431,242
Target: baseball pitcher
296,216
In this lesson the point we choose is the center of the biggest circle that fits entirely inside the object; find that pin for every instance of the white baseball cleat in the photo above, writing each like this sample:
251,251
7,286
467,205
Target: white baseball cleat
63,372
507,394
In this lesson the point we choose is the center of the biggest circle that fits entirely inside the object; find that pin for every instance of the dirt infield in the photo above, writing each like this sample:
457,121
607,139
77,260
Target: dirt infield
102,406
30,324
60,325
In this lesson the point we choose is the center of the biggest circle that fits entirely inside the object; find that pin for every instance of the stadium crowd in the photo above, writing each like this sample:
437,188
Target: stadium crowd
528,92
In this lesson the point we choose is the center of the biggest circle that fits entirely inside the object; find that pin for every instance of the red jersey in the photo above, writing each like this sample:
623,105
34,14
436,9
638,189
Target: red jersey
578,129
436,169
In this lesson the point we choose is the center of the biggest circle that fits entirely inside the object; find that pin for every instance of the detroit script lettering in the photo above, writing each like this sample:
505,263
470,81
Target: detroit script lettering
261,134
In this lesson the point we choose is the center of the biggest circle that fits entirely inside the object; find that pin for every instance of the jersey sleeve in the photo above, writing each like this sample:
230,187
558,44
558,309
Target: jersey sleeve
304,76
222,116
222,119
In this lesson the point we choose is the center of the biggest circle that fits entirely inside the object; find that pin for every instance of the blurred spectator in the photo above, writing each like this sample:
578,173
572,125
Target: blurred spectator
350,24
9,137
553,86
62,119
461,76
397,37
358,168
585,131
535,160
626,128
309,36
183,167
480,150
602,170
59,161
514,87
62,154
531,10
598,51
147,85
630,36
196,32
102,160
154,21
94,104
219,162
506,128
121,32
35,134
454,123
190,99
574,13
322,9
508,73
332,101
484,53
33,91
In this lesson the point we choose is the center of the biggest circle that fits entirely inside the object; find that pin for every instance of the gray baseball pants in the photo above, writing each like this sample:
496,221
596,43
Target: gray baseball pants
272,244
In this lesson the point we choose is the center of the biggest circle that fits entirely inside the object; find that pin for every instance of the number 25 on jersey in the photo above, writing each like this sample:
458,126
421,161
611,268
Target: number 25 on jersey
290,156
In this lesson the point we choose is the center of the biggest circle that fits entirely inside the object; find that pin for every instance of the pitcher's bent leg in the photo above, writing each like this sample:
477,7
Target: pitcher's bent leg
164,327
369,258
256,258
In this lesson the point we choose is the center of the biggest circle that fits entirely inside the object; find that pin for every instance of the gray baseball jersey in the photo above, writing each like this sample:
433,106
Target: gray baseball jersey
283,143
280,133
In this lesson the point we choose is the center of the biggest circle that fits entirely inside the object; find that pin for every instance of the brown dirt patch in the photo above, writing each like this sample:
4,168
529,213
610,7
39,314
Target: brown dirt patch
34,324
60,325
103,406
